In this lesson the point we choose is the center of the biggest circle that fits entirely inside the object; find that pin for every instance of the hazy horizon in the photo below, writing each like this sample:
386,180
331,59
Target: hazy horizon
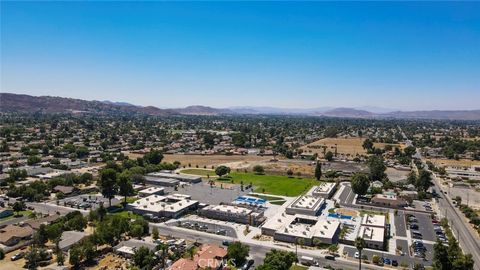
302,55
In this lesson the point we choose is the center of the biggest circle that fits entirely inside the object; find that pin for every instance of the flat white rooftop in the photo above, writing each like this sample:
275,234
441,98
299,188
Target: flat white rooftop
373,234
374,220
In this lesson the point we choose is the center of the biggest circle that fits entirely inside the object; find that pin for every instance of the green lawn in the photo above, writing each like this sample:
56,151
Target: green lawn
126,214
272,184
200,172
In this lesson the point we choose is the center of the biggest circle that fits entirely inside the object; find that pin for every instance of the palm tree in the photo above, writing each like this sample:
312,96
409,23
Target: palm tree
360,244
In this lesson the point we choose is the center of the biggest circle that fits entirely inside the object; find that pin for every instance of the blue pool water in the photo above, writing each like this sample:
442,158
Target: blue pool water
250,200
335,215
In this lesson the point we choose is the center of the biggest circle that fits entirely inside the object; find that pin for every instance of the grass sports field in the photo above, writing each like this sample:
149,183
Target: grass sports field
272,184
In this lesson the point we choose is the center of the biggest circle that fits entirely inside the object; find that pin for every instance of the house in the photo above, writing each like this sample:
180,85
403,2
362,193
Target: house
70,238
36,223
63,189
13,234
208,257
389,200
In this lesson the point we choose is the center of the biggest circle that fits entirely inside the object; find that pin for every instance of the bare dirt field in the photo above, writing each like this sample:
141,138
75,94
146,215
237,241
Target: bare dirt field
111,261
453,162
345,146
236,161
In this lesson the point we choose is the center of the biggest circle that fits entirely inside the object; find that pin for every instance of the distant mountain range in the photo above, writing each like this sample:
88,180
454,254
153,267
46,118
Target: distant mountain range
47,104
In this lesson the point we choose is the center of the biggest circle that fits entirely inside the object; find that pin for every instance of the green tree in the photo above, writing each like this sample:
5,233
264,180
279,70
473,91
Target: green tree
155,233
440,257
360,184
75,257
258,169
108,184
377,168
329,156
153,157
144,258
238,252
360,245
18,206
367,144
278,260
136,231
2,254
318,171
125,186
221,170
424,180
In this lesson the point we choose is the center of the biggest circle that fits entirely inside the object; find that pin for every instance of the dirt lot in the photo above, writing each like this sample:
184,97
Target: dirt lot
8,264
236,161
453,162
345,146
111,261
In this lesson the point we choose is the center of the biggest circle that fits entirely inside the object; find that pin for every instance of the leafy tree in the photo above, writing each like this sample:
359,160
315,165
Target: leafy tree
75,257
367,144
360,183
153,157
125,186
377,168
32,160
60,258
278,260
440,257
238,252
329,156
144,258
18,206
108,184
155,233
2,254
360,245
41,236
136,231
409,151
289,173
424,180
258,169
318,171
221,170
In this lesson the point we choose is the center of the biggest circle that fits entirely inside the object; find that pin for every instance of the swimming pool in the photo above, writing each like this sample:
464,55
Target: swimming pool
336,215
250,200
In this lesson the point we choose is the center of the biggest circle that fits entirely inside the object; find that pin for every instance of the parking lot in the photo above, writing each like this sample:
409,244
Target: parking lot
205,227
203,193
87,201
400,225
406,260
422,224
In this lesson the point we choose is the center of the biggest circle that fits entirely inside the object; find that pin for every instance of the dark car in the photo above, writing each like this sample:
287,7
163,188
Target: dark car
387,261
394,263
330,257
247,265
413,226
226,243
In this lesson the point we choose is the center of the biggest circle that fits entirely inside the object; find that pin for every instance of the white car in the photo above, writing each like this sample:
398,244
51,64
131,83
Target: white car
357,255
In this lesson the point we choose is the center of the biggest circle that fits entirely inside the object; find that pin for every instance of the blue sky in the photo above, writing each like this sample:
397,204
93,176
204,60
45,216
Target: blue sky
285,54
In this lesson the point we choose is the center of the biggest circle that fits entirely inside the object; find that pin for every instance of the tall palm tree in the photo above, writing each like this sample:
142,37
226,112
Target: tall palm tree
360,244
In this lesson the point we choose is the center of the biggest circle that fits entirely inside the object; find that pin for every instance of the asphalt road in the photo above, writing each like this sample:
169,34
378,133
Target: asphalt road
257,250
469,241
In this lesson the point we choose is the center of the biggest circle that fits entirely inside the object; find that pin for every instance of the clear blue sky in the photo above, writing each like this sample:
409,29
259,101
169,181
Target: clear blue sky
289,54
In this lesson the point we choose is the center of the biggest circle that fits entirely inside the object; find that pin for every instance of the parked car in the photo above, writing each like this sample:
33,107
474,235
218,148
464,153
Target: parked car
330,257
226,243
413,226
18,256
394,263
357,255
247,265
387,261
